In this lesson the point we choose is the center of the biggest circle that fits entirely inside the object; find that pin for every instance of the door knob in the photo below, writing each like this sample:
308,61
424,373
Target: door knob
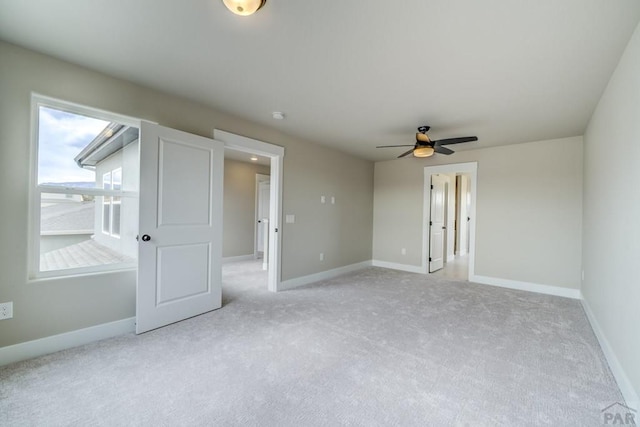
146,237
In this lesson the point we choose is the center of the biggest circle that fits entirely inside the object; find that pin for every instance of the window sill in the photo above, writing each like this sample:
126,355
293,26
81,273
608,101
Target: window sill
72,273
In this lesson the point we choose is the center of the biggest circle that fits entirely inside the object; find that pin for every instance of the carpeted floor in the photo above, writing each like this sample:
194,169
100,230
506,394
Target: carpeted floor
376,347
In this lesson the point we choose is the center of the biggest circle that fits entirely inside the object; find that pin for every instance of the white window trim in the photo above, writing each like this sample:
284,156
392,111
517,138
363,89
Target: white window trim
35,190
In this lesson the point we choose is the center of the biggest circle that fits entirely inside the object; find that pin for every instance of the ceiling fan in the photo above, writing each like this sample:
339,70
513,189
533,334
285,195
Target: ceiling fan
425,147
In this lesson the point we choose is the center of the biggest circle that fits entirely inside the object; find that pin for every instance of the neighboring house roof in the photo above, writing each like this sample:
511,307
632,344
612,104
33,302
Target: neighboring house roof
72,216
83,254
113,138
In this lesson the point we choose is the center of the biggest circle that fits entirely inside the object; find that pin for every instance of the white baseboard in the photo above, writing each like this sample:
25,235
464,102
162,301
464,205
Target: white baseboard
628,392
42,346
323,275
526,286
238,258
395,266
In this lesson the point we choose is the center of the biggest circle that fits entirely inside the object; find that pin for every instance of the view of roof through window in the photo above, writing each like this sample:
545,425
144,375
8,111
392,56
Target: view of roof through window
85,219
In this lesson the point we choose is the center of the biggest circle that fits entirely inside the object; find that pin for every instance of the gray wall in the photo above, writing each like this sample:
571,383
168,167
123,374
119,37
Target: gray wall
50,307
240,206
611,212
529,210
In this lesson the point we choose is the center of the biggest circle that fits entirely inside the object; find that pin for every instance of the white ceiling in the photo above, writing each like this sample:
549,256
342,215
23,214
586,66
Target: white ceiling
354,74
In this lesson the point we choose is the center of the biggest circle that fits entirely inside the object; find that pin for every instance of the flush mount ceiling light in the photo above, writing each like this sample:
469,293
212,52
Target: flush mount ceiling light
244,7
277,115
254,158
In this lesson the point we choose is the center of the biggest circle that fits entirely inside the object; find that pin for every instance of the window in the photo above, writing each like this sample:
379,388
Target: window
111,205
85,192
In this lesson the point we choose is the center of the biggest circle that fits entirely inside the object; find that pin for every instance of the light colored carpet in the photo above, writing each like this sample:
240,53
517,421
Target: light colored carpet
376,347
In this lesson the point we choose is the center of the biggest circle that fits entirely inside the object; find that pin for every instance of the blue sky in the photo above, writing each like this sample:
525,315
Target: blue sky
61,137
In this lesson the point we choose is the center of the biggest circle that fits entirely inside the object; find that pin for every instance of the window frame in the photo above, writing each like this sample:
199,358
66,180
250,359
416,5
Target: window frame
36,190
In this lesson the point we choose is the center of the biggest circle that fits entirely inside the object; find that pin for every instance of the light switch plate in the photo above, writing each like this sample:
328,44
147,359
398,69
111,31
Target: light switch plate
290,219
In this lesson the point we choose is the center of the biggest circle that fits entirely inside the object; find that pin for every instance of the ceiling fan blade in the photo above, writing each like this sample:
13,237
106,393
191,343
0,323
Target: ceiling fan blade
442,150
406,154
391,146
456,140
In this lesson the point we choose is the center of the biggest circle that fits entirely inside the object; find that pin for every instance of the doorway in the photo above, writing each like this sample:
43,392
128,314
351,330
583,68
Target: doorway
449,220
275,154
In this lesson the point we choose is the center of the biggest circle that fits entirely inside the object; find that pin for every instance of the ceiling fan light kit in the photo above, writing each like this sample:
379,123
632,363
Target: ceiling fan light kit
244,7
423,152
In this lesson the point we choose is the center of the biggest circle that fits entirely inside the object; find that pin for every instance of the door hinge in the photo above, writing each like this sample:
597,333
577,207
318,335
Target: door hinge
276,229
430,222
432,186
429,259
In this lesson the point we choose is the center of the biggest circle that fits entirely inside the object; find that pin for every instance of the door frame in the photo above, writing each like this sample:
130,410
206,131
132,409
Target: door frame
276,155
470,168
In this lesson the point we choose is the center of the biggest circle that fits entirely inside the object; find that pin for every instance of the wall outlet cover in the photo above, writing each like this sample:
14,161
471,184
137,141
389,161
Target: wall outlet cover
6,310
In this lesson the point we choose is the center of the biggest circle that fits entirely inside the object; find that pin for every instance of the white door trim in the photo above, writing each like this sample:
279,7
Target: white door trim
470,168
276,154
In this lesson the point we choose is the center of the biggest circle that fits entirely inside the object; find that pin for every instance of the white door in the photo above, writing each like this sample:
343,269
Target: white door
264,194
436,223
180,246
464,204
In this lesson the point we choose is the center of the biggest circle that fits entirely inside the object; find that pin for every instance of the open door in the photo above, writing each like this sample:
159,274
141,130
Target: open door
180,230
264,192
437,223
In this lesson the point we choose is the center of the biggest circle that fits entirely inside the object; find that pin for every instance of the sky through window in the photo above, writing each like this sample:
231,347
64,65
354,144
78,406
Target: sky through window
62,136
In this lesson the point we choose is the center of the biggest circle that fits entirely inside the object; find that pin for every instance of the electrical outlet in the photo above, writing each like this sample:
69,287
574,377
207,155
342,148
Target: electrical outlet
333,200
321,256
403,251
6,310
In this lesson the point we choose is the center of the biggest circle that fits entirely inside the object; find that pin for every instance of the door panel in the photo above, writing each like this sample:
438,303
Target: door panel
179,254
437,223
175,284
184,199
